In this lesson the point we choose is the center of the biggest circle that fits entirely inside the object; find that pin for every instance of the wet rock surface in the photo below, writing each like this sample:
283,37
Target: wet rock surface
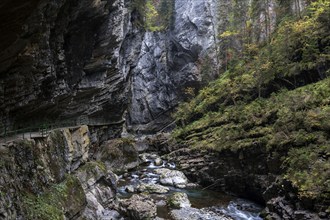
196,214
119,154
179,200
152,188
172,177
176,202
139,207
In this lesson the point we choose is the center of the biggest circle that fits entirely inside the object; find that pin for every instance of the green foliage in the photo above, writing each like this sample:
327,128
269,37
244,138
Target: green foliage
157,15
309,170
281,115
39,209
297,121
151,20
303,45
297,54
53,203
276,96
92,166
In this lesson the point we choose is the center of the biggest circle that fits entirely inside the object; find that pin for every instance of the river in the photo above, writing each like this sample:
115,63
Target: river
216,202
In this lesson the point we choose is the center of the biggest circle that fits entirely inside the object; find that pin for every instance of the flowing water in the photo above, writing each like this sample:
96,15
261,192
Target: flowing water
236,208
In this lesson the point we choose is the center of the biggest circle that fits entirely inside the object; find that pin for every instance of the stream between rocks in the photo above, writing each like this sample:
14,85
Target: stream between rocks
157,190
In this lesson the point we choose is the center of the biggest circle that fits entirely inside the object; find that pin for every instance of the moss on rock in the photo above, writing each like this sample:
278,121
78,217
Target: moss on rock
119,154
62,200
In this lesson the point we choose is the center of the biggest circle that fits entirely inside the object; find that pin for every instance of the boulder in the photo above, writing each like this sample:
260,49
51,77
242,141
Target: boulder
129,189
152,188
99,186
144,157
158,161
280,208
138,207
119,155
172,177
179,200
196,214
112,215
193,185
141,144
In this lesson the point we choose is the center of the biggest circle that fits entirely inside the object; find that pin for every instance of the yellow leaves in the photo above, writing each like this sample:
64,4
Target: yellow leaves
248,24
308,172
265,66
189,91
227,34
157,14
319,7
152,17
300,26
251,48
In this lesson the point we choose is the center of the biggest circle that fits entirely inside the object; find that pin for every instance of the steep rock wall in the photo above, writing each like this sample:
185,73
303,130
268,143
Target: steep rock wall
170,61
53,177
86,58
64,64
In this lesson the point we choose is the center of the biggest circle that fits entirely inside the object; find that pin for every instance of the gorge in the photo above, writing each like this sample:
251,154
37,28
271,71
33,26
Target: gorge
235,94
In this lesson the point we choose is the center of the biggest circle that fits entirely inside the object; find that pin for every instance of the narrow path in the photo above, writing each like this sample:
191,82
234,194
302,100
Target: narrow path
30,135
43,132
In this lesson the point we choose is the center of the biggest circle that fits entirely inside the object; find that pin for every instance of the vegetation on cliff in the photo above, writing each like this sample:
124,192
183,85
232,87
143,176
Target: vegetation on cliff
61,200
155,15
275,94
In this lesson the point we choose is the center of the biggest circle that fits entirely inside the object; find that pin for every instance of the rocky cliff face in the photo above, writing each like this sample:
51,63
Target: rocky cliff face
170,61
86,58
54,178
62,65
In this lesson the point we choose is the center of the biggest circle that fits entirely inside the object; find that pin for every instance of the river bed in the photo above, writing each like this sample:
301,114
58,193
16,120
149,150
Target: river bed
216,202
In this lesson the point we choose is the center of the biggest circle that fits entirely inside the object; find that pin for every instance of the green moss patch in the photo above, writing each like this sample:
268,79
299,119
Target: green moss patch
64,199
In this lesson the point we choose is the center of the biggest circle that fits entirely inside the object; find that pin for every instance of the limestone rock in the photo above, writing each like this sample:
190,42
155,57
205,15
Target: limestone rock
179,200
77,142
91,61
172,177
196,214
246,177
158,161
119,155
139,207
152,188
129,189
193,185
56,169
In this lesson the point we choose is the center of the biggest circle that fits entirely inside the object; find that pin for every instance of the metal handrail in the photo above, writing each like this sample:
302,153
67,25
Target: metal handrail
42,129
45,128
